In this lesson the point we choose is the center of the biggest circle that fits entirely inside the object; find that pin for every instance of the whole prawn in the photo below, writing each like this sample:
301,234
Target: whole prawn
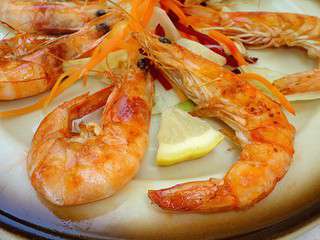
264,132
259,30
48,17
36,72
69,168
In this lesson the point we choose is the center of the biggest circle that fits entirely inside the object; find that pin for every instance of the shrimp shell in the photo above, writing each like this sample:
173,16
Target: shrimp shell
47,17
22,44
259,30
69,168
267,136
36,72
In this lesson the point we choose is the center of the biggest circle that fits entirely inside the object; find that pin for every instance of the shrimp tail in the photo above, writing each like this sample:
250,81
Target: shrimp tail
198,196
299,82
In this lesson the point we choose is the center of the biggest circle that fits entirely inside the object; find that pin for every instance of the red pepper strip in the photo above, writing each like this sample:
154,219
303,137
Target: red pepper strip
171,5
160,31
157,74
203,39
209,42
230,45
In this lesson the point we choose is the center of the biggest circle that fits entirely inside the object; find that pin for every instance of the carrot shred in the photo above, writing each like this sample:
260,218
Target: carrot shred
148,12
108,45
21,111
56,85
230,45
174,6
135,14
282,99
199,22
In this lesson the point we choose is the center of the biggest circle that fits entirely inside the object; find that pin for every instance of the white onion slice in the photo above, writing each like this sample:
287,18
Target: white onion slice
164,99
160,17
201,50
117,58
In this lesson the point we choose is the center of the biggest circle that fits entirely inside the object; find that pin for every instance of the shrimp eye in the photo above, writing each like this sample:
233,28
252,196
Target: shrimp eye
236,71
103,27
100,12
143,63
204,4
164,40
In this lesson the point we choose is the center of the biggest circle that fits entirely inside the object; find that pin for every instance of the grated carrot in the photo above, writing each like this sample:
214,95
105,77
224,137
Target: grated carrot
175,8
148,12
21,111
199,22
111,43
282,99
230,45
57,84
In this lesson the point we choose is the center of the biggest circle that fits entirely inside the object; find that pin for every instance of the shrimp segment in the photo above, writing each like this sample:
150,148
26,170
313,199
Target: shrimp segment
264,132
69,168
259,30
22,44
47,17
300,82
262,30
37,72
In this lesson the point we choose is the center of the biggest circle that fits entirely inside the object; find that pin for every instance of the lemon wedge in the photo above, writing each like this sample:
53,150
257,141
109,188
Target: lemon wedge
183,137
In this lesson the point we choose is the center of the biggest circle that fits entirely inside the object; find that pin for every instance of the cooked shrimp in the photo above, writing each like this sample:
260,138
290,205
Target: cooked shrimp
48,17
300,82
260,30
69,168
264,132
37,72
22,44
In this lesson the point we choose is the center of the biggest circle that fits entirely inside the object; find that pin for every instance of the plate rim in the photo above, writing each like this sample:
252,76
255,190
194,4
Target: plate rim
295,225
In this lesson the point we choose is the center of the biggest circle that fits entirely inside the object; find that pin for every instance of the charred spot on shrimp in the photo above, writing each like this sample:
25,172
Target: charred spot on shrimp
100,12
103,27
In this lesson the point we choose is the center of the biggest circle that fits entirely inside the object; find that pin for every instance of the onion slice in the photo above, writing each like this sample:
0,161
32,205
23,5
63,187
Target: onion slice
202,50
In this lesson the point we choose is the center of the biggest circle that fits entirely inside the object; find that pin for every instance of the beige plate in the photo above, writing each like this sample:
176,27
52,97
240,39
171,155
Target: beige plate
129,213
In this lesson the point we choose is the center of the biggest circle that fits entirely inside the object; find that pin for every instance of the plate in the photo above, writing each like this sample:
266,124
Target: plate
129,214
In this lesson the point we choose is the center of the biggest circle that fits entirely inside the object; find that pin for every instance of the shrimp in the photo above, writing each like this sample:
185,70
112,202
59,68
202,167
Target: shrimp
264,132
304,82
259,30
22,44
37,72
48,17
69,168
